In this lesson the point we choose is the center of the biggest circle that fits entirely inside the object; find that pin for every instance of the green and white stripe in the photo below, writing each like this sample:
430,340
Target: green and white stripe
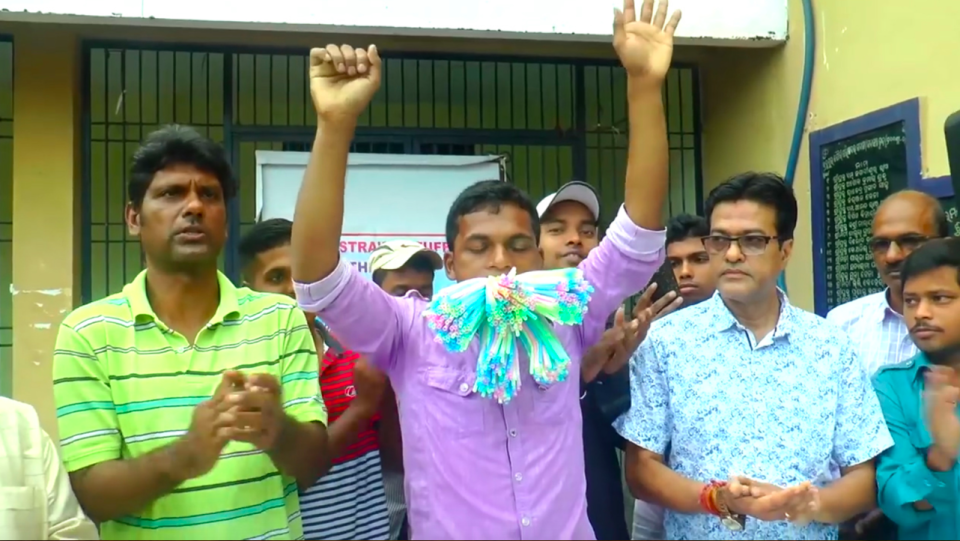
126,384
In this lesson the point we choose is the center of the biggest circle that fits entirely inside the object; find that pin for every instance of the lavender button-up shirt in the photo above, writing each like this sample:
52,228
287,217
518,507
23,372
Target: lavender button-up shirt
476,469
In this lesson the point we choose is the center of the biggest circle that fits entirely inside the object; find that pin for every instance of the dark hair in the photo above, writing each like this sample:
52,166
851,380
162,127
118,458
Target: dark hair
417,263
932,255
263,236
175,144
768,189
489,195
686,226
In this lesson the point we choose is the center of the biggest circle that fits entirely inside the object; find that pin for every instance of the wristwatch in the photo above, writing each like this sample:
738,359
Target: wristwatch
731,521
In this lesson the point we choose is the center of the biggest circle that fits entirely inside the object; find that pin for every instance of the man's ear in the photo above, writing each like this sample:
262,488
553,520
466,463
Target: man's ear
448,266
132,217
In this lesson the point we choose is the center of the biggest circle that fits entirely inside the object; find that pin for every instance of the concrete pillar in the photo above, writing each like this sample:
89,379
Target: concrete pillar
46,210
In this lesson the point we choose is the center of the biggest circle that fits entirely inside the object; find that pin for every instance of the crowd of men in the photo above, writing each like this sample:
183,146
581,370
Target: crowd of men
315,403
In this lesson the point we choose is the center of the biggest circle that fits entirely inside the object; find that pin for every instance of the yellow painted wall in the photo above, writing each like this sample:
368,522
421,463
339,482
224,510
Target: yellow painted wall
45,210
869,55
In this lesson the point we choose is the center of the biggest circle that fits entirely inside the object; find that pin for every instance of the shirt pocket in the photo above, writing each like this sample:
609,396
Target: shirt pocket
22,513
554,404
450,404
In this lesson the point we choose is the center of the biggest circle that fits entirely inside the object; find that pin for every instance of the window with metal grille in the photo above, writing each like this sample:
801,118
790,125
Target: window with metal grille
555,121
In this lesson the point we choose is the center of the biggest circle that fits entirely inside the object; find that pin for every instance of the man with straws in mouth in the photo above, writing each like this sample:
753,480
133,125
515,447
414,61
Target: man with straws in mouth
477,467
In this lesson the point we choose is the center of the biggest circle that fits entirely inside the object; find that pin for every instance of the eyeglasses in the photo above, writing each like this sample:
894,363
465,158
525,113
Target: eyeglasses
748,244
906,243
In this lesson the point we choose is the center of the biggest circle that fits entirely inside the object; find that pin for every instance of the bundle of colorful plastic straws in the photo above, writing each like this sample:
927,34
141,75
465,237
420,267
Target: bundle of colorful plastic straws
501,310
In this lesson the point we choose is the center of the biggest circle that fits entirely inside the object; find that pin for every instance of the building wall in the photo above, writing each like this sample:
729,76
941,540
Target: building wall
6,213
866,59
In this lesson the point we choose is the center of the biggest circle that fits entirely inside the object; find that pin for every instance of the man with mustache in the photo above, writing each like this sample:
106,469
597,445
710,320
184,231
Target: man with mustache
744,406
917,478
188,408
903,222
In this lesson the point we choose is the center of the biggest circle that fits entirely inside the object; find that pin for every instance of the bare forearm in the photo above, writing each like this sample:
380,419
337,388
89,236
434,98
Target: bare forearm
648,156
346,428
318,217
109,490
852,494
302,452
653,481
591,364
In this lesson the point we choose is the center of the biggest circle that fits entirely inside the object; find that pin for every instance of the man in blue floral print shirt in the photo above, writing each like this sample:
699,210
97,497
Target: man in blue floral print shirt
751,418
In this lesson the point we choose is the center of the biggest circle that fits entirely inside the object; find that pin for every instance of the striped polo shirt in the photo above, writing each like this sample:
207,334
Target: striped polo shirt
126,384
348,502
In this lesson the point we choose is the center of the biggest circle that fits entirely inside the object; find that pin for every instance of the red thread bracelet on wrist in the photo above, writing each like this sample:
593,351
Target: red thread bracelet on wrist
708,497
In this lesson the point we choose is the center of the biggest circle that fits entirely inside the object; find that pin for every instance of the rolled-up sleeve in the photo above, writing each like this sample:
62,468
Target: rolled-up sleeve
647,423
619,267
902,473
362,316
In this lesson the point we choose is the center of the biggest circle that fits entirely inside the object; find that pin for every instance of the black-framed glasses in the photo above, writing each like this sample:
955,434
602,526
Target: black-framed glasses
906,243
748,244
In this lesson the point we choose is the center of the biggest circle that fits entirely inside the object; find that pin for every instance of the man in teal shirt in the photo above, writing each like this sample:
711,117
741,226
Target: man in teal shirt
917,478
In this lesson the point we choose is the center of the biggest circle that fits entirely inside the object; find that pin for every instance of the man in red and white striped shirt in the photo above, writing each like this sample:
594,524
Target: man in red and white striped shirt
348,502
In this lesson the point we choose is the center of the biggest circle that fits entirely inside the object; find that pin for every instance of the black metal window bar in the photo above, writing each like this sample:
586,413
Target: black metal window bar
555,120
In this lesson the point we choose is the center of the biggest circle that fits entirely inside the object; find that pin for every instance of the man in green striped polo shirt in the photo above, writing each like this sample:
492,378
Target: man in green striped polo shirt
188,408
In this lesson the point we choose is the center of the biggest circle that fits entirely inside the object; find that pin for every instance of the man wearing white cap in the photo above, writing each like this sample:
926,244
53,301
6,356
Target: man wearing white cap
568,224
399,266
569,221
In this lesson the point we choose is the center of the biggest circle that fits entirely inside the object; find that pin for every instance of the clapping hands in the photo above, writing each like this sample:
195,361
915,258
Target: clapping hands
798,504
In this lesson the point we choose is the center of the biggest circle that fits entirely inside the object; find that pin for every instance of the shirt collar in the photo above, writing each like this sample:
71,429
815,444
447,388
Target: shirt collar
884,309
136,293
918,366
723,319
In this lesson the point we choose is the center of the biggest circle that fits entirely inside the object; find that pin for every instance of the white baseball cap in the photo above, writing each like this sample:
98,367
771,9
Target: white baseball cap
394,254
581,192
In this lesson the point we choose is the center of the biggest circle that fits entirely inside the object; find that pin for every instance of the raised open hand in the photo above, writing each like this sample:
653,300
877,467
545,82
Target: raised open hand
343,80
645,45
940,402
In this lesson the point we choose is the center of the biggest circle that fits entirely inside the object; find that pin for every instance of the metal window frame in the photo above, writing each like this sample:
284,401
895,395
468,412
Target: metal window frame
234,134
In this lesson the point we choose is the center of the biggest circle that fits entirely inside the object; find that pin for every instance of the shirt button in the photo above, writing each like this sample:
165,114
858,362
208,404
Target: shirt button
518,477
525,521
464,387
513,433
